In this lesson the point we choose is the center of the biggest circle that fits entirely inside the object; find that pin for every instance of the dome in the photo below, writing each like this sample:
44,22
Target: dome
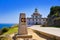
36,12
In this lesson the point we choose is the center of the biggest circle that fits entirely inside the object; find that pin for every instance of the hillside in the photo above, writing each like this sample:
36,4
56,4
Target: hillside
12,30
7,35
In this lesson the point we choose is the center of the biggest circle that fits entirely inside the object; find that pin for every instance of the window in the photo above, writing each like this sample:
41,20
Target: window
43,19
36,16
36,19
28,23
33,19
29,19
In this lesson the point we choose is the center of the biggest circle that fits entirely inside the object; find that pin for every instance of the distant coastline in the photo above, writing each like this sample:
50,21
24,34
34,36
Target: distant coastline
7,25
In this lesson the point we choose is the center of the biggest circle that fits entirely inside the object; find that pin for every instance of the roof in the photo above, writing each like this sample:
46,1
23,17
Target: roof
29,18
36,12
43,18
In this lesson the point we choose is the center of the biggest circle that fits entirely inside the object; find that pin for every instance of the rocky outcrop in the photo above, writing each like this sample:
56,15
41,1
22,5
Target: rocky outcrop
54,16
0,32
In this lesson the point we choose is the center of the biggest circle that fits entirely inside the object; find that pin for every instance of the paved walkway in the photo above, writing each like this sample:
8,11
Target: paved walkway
49,30
35,36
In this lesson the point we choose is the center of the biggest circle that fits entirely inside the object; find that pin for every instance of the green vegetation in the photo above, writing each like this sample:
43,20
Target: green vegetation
4,30
12,30
54,16
57,18
54,10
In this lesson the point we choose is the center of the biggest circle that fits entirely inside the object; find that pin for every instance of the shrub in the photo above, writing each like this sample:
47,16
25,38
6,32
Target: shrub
4,30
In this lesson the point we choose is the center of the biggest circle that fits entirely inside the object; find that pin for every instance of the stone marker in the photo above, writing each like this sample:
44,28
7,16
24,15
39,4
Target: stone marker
22,24
22,29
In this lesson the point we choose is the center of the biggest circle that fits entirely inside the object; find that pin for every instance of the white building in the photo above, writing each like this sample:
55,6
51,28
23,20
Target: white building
36,18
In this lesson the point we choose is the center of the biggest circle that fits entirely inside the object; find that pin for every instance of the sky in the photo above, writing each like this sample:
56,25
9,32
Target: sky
10,9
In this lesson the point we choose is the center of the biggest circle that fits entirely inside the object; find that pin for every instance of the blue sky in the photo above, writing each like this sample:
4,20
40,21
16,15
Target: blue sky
10,9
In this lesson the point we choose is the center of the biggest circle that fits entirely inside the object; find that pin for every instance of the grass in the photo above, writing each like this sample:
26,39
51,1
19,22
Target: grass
6,35
11,30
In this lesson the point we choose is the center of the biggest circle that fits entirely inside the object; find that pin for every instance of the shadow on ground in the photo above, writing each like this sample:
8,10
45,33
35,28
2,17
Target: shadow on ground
43,36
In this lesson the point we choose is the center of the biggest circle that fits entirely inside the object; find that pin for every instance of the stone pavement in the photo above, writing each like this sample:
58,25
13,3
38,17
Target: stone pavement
35,36
31,32
48,30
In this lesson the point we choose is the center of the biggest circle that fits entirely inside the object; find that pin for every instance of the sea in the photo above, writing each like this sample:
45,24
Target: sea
3,25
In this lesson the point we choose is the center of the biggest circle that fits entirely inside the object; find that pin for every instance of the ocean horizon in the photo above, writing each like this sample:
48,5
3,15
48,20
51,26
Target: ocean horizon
6,25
